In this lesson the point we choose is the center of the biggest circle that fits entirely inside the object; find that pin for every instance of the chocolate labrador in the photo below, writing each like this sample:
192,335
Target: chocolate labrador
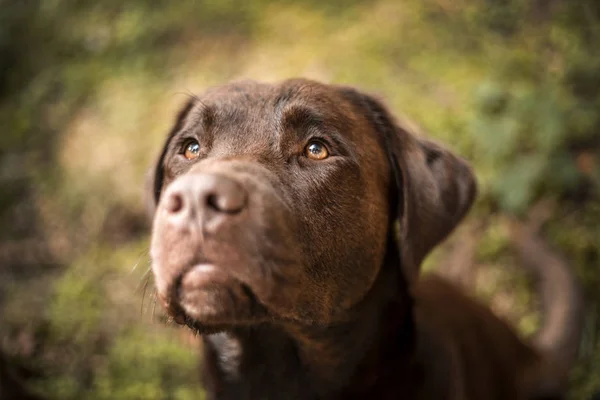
289,226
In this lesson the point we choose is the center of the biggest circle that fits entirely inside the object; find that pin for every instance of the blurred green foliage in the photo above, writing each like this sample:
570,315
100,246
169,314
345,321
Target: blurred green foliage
88,90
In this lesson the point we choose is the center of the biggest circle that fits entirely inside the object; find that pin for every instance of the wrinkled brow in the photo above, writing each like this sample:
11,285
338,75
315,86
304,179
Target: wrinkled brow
301,118
202,115
305,121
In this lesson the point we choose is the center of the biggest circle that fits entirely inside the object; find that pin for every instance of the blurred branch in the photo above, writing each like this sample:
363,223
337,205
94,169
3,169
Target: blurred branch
558,286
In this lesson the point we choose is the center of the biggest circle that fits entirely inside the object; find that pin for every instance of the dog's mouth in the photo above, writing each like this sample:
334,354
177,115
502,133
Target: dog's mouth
208,299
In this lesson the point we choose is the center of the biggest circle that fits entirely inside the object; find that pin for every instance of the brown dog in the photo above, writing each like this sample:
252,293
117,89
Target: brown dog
290,224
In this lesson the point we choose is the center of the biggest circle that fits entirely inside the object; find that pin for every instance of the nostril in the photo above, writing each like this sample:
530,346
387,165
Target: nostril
174,203
230,203
212,202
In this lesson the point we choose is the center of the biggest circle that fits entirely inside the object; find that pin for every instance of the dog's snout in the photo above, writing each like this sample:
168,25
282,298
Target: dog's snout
205,196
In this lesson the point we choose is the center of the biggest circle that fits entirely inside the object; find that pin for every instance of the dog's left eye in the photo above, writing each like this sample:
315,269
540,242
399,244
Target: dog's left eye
191,149
316,151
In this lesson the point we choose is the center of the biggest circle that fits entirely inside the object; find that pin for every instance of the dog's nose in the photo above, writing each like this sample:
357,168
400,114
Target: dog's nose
206,196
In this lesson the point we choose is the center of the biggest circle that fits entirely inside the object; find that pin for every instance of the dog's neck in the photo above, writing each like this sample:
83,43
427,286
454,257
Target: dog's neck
306,362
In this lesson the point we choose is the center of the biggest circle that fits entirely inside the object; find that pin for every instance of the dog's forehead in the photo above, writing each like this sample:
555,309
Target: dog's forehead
264,119
252,93
245,93
250,99
265,111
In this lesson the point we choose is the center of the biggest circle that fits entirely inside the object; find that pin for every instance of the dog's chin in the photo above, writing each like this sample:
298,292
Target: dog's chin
212,301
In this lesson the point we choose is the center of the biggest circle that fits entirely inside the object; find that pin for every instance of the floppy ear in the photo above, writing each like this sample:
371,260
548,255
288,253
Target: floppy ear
155,176
438,190
434,188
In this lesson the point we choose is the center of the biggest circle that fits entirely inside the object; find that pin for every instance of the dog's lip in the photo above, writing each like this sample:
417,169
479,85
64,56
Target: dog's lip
202,275
199,277
208,297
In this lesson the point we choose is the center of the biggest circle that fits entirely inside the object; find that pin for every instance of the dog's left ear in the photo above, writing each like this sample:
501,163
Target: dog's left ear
438,188
434,188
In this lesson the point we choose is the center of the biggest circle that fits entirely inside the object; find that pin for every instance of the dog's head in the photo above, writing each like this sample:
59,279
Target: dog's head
279,202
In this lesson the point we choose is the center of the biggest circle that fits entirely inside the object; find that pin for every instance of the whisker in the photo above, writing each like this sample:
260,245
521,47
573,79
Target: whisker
154,298
145,278
144,253
144,294
190,94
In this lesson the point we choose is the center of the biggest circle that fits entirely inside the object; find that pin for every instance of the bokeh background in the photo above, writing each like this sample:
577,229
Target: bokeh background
88,90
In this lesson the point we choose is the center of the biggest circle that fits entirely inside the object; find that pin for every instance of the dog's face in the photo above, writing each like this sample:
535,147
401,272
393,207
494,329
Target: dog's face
275,202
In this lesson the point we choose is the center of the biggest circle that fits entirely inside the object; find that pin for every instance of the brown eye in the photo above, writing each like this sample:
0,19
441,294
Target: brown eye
316,151
192,150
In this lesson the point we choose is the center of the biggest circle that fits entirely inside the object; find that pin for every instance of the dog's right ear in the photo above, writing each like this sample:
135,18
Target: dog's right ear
434,188
155,176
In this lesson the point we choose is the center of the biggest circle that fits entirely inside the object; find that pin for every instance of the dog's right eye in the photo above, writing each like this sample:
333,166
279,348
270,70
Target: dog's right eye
316,150
191,149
